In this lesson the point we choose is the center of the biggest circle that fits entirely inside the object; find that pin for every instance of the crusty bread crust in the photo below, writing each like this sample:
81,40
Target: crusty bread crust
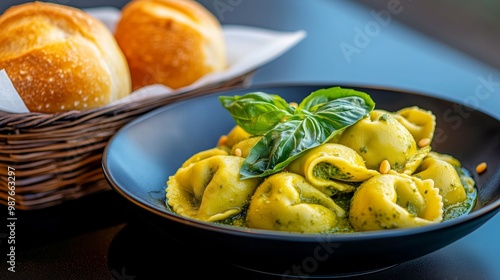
170,42
60,58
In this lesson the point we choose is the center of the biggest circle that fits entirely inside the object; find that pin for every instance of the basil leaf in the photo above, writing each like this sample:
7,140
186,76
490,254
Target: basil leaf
257,112
315,121
322,96
280,146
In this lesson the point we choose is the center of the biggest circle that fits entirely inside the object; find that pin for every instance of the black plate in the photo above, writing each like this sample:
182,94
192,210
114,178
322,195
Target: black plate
139,158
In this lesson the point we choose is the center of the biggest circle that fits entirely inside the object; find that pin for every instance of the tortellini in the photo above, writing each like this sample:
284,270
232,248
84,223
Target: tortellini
338,186
389,201
203,155
445,178
330,165
236,135
467,181
210,189
415,161
287,202
380,137
420,123
244,146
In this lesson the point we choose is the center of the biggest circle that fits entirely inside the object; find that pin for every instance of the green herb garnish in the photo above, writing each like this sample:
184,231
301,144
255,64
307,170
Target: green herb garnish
288,131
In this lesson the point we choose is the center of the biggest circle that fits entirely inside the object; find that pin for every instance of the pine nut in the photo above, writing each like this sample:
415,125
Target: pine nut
480,168
424,142
222,140
385,167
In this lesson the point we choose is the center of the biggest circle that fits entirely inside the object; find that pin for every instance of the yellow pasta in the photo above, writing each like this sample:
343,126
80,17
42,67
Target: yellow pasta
445,178
210,189
420,123
415,161
203,155
236,135
245,146
389,201
327,164
380,137
378,173
287,202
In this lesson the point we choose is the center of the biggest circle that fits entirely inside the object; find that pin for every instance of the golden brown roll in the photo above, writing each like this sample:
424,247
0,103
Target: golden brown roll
60,58
170,42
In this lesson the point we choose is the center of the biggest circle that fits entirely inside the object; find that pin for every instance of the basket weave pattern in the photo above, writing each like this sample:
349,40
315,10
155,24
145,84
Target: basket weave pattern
57,157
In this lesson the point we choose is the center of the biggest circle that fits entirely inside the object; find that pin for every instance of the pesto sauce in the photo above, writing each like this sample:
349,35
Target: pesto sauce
329,171
456,210
238,220
343,225
344,201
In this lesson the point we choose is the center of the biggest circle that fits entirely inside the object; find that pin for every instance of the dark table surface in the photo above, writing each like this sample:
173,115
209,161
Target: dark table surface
100,237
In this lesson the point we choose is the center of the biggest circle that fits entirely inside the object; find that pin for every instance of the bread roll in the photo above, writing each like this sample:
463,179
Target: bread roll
170,42
60,58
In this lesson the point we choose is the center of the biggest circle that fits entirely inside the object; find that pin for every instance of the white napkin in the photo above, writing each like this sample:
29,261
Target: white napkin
10,101
248,48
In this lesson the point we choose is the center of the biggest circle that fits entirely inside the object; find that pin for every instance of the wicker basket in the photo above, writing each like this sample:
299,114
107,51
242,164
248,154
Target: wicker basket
57,157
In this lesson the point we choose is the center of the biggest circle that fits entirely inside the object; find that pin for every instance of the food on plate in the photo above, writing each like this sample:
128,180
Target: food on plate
395,200
331,167
445,177
170,42
209,189
331,164
420,123
480,168
60,58
288,202
401,139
